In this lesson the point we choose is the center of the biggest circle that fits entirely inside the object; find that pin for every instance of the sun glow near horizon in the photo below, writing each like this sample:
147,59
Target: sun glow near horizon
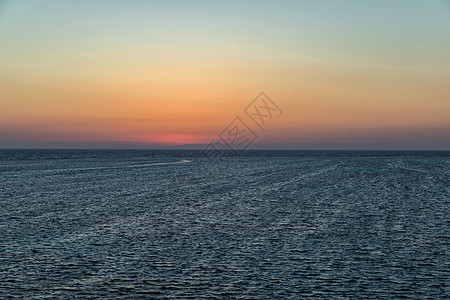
354,75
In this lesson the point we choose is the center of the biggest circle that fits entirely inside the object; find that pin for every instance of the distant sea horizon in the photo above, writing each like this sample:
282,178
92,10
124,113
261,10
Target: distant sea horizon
201,147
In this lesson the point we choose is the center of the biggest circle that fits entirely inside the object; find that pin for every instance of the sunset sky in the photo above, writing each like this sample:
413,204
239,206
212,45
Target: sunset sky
142,74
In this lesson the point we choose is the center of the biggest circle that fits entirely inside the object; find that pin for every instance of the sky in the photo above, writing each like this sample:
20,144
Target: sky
152,74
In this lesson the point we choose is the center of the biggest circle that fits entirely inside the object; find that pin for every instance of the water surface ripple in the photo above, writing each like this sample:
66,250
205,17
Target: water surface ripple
269,224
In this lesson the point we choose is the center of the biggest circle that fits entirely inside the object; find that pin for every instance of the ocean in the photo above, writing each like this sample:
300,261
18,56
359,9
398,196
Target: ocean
130,224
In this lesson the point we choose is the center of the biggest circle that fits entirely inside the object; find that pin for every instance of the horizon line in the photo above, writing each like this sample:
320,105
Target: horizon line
243,151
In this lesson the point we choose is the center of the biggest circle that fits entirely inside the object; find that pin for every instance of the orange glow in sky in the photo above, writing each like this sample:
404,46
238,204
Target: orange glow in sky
154,74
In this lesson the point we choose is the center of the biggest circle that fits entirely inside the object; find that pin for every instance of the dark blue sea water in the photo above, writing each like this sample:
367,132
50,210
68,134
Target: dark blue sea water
265,225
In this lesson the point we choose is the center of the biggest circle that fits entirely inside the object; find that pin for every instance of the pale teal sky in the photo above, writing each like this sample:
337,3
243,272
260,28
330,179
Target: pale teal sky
334,53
